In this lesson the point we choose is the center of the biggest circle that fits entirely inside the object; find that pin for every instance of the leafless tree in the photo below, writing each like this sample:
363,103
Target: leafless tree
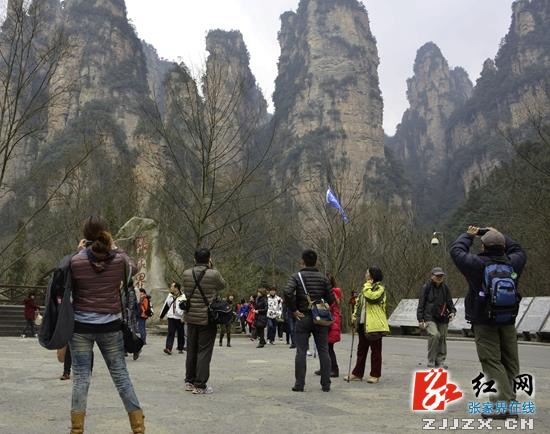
214,154
31,50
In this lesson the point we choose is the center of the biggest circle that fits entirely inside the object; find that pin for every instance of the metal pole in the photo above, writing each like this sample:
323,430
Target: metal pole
351,354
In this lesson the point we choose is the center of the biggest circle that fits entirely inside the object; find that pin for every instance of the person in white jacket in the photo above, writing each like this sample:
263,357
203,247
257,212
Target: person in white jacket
174,313
274,314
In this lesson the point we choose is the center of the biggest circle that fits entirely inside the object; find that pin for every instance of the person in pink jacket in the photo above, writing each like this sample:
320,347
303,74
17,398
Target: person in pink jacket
334,333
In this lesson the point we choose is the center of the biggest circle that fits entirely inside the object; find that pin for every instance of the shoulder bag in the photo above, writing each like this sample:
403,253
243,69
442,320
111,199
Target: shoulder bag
132,341
319,308
219,311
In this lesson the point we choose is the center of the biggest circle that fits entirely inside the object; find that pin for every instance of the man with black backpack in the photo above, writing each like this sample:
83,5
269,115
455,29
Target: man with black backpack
302,288
201,285
435,310
492,303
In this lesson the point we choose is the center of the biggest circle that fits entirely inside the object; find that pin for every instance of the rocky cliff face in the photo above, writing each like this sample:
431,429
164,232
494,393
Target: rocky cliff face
328,105
230,89
509,91
103,82
434,93
451,137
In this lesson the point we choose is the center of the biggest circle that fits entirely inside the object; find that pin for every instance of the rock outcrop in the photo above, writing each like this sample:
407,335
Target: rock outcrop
328,104
434,93
230,90
103,83
451,138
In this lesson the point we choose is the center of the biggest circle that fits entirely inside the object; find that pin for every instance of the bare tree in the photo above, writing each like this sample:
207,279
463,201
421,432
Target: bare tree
214,158
31,50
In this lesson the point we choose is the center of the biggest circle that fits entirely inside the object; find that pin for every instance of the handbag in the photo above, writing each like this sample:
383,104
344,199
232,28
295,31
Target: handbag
320,309
38,319
132,341
219,311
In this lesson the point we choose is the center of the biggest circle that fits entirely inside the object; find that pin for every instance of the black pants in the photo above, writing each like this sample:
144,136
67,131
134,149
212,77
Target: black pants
333,362
260,334
175,325
29,325
225,329
67,362
280,327
243,323
200,345
304,328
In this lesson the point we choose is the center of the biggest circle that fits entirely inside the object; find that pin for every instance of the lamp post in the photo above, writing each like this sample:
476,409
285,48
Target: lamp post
437,239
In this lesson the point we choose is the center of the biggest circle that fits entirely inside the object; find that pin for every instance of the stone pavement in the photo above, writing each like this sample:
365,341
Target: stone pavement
252,391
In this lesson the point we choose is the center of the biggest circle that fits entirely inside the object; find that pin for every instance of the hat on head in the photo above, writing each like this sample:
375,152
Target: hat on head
493,238
438,271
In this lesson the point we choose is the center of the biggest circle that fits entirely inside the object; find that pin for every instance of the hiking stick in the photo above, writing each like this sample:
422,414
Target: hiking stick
351,353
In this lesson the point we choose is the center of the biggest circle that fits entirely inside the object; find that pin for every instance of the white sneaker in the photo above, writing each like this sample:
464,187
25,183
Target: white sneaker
206,391
189,387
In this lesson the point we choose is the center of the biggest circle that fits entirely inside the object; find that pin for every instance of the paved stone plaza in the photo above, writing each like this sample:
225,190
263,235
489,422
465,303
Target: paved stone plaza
252,391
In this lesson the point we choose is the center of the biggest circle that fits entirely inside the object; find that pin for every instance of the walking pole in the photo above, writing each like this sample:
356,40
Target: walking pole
351,353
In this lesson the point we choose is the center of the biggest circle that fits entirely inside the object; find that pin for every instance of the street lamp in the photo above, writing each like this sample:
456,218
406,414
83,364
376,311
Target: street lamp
437,239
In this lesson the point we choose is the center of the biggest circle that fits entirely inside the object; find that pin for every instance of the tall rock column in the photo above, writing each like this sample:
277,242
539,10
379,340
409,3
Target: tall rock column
327,99
434,93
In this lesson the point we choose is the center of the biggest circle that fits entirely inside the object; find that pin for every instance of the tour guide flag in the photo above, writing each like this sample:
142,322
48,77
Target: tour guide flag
332,200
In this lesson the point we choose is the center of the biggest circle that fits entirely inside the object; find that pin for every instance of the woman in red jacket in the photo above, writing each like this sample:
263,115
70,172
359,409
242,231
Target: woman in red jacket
334,333
31,310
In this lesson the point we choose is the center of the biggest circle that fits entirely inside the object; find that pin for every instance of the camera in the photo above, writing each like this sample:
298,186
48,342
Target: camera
482,231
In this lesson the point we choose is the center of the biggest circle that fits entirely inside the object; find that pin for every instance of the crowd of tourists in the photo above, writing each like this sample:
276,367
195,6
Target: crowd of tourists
105,313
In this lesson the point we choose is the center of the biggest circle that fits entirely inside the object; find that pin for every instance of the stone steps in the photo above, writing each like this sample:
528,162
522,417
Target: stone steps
12,320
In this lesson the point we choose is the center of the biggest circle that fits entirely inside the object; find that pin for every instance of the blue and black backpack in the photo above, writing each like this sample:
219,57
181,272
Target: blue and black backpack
501,293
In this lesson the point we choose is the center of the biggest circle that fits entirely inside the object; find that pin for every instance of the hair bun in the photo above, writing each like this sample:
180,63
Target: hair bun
103,242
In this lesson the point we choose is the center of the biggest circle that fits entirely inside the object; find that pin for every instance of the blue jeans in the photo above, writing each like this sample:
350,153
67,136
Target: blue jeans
141,329
111,346
271,329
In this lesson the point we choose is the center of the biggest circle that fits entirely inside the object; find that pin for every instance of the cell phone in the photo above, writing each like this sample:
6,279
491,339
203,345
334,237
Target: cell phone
482,231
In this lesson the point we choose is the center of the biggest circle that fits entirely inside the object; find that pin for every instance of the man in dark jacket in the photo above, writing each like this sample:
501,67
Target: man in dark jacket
318,287
201,335
496,344
435,310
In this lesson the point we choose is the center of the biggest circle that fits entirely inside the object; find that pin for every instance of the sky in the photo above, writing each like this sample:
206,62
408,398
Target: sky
467,31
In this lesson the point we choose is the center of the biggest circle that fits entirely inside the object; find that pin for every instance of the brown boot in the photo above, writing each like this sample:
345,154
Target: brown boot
77,422
137,421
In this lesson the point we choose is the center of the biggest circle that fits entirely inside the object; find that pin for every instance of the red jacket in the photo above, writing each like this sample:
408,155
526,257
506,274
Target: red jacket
30,308
336,327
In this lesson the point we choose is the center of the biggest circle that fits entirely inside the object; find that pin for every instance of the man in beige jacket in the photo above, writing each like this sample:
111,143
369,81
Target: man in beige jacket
200,282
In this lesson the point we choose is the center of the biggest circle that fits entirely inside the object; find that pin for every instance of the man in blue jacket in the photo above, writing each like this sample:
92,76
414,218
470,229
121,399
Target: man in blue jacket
496,344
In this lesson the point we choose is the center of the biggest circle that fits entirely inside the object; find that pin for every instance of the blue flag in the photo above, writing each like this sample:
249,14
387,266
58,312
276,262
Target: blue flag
332,200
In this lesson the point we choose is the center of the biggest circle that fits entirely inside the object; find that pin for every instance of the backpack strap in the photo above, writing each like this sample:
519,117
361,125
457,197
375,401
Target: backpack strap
305,289
198,286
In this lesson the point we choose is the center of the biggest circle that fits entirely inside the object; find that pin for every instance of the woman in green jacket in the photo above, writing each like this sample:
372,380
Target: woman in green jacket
369,318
